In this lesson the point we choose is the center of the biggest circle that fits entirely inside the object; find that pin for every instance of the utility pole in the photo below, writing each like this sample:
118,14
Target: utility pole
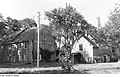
33,17
38,41
99,23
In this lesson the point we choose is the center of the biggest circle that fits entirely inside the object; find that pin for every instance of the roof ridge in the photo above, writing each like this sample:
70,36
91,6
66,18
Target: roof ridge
88,39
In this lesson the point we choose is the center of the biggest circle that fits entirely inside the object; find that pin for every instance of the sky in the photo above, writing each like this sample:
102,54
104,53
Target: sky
90,9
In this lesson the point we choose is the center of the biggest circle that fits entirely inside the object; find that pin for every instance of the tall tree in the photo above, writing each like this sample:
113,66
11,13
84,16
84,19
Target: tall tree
111,31
28,23
109,35
12,25
68,24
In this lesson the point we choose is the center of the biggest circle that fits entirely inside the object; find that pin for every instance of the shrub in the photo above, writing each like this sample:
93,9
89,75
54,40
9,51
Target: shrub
97,59
46,54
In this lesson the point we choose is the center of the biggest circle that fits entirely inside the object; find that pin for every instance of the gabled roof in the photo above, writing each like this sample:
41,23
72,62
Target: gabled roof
27,35
16,35
89,40
2,25
2,31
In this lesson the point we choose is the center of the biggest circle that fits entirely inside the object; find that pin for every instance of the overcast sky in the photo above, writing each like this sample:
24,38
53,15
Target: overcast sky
90,9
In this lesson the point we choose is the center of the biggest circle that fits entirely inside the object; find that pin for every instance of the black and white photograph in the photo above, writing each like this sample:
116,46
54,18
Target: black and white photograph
59,37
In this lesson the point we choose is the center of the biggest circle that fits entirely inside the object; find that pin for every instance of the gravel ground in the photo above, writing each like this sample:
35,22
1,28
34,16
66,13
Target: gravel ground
53,68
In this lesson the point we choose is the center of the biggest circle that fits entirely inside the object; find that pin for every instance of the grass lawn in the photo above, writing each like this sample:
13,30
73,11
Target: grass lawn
45,68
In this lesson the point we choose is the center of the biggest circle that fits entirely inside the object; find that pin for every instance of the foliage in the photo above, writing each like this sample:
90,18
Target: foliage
97,34
17,25
112,27
12,25
46,54
28,23
110,33
68,24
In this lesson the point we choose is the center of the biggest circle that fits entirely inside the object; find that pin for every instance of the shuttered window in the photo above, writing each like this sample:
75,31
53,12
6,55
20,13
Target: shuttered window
80,47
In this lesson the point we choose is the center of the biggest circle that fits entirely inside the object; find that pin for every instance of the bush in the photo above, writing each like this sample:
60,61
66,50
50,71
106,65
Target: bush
46,54
97,59
113,59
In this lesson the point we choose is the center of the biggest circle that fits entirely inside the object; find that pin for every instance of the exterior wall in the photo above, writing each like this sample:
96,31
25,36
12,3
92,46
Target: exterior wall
117,52
4,53
29,52
9,54
46,40
87,49
25,52
1,55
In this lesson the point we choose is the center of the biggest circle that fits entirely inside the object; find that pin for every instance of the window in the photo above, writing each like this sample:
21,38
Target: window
44,36
80,47
25,45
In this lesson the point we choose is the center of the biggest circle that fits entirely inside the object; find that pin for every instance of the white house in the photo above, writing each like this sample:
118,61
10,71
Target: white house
85,46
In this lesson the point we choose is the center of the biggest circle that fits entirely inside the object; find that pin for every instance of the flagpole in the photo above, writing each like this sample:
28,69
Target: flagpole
38,42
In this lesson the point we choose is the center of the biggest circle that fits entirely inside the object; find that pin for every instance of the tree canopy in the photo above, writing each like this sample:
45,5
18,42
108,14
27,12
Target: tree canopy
9,25
67,22
28,23
110,33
